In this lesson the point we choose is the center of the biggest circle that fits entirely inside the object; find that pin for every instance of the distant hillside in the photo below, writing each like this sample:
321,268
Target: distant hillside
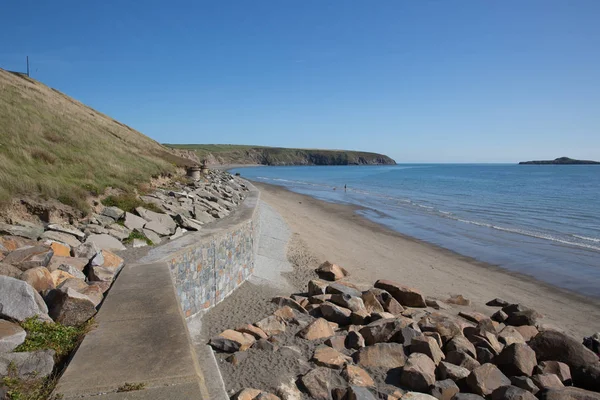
54,147
224,154
560,161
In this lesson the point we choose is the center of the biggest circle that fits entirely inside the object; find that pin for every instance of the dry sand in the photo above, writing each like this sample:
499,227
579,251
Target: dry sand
370,251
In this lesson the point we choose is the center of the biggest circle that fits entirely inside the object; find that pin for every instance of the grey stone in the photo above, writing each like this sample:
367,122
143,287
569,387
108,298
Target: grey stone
462,360
27,365
338,288
70,307
103,219
119,231
349,302
162,219
451,371
201,215
138,243
153,237
158,228
95,229
10,270
178,233
29,257
383,330
316,383
69,229
30,232
113,212
105,242
188,223
134,222
19,301
416,396
72,270
467,396
11,336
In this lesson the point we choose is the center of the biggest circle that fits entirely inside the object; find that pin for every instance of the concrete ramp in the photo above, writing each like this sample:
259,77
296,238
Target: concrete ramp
141,338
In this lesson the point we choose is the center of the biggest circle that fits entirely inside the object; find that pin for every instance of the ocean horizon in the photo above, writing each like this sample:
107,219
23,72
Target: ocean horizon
538,220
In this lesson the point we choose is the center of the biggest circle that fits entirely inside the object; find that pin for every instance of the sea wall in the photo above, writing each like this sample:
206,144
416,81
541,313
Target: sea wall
208,265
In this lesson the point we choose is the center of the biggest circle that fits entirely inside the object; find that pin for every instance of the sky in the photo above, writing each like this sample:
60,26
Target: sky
420,81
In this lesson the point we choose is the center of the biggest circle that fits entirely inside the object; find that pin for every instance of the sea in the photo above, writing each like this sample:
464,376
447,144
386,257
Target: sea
538,220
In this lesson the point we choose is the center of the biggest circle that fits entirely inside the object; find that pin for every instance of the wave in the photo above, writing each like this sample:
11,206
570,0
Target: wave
595,240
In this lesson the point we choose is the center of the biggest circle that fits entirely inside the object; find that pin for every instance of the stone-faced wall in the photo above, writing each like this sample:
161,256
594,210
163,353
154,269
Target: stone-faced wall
208,265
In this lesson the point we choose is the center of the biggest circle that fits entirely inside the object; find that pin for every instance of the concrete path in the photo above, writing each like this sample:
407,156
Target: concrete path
141,337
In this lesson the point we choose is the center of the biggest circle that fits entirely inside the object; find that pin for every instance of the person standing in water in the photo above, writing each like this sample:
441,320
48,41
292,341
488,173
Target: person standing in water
345,188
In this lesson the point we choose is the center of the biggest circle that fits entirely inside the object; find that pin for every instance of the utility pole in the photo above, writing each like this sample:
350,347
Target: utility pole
27,66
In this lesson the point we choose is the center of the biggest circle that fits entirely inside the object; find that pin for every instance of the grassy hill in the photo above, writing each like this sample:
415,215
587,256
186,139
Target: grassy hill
243,154
54,147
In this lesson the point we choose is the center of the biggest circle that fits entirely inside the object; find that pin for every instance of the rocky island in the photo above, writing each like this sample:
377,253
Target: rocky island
560,161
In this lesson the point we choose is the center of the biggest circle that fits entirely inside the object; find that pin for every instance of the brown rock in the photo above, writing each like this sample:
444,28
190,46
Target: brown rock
497,303
427,346
231,341
405,335
69,307
12,243
58,276
509,335
360,317
447,327
253,330
484,379
318,329
527,331
499,316
357,376
320,298
436,304
74,283
350,302
462,360
103,286
337,314
459,300
331,272
392,306
516,359
547,381
450,371
376,316
461,344
316,383
286,301
39,278
94,293
107,270
9,270
557,368
354,340
271,325
285,314
418,373
570,393
246,394
75,262
512,393
406,296
487,340
383,330
60,249
316,287
371,303
520,315
473,316
29,257
524,383
444,390
326,356
337,342
343,288
381,355
484,356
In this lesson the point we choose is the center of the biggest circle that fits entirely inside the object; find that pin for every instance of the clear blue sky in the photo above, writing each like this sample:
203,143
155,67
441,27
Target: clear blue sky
441,81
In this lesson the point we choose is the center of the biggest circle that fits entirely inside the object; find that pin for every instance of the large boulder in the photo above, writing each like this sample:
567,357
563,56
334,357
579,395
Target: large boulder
406,296
343,288
418,373
87,250
350,302
359,393
334,313
68,229
570,393
381,355
27,365
39,278
29,257
547,381
162,219
524,383
326,356
113,212
447,327
428,346
32,232
69,307
444,389
518,359
357,376
231,341
371,302
133,222
383,330
512,393
107,269
317,287
509,335
19,300
558,368
331,272
462,360
11,336
316,383
519,315
486,378
461,344
318,329
105,242
10,270
450,371
60,237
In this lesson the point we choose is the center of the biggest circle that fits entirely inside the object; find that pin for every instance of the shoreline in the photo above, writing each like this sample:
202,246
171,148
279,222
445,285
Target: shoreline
371,251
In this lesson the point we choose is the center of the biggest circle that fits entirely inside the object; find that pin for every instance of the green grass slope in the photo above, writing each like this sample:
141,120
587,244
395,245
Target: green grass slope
244,154
54,147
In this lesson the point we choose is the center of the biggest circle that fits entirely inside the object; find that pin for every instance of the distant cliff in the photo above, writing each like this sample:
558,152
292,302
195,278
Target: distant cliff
216,154
560,161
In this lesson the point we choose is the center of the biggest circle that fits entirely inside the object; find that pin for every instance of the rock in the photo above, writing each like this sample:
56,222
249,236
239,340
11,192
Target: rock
162,219
68,229
486,378
29,257
487,340
451,371
526,317
326,356
473,316
319,298
557,368
318,329
10,271
11,336
247,394
516,359
359,393
118,231
524,383
350,302
317,287
316,383
406,296
133,222
286,314
416,396
337,314
593,342
467,396
113,212
264,344
499,316
39,278
527,331
137,243
418,373
497,303
484,355
153,237
236,358
405,335
75,272
73,283
158,228
392,306
94,293
289,391
31,232
253,330
75,262
29,303
570,393
445,326
512,393
331,272
342,288
354,340
337,342
436,304
462,360
28,365
444,390
105,242
87,250
61,237
509,335
271,325
371,303
201,215
428,346
461,344
383,330
188,223
107,270
231,341
381,355
286,301
360,317
59,249
376,316
70,308
547,381
459,300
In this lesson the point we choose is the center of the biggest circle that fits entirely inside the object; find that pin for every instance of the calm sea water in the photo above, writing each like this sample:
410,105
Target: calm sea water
543,221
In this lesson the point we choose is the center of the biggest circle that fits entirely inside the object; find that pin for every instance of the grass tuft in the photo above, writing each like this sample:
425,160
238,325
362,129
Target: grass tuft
130,387
136,235
52,335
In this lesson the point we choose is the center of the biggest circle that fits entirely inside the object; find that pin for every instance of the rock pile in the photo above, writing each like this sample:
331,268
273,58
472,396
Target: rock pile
391,342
